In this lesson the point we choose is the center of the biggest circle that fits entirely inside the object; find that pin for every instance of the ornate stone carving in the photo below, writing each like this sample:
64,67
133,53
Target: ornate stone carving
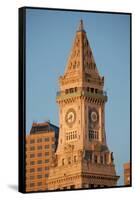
54,161
68,148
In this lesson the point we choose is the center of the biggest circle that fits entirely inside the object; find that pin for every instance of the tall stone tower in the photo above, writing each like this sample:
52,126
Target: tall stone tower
82,159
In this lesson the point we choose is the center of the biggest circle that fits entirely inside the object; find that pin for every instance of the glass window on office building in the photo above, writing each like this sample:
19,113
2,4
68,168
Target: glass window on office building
46,146
47,161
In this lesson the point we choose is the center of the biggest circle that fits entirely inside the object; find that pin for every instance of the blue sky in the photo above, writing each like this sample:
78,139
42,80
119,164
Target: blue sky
49,38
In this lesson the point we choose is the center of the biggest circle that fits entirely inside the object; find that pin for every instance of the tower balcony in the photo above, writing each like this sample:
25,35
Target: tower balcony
86,92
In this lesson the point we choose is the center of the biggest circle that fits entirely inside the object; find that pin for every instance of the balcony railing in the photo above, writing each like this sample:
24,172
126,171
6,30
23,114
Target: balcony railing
82,91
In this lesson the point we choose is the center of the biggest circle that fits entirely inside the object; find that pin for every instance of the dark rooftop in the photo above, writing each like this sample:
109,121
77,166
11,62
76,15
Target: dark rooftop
43,127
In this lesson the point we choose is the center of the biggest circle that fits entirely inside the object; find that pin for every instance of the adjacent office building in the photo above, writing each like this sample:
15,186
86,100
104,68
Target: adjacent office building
41,144
126,174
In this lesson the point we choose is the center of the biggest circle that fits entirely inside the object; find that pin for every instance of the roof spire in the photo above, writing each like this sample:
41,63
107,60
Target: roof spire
81,26
79,59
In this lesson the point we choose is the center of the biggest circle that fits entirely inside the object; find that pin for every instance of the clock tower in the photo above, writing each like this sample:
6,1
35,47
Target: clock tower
82,159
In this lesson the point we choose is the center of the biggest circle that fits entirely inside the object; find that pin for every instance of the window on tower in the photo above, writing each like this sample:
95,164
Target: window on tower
93,135
92,90
75,159
95,158
69,160
72,135
88,89
63,161
72,186
90,156
71,90
105,158
96,90
101,160
66,91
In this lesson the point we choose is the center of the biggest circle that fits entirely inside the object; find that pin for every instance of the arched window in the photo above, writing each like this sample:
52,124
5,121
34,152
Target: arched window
95,159
88,89
69,160
101,159
75,159
63,161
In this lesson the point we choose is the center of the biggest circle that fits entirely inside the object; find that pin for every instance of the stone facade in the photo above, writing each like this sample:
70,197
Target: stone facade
82,159
127,174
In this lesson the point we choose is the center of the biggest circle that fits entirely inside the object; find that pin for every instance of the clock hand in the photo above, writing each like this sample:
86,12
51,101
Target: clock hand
70,117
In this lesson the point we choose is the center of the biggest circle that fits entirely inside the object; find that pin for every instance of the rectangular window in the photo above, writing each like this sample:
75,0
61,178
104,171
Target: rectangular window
71,90
39,183
53,146
91,185
39,140
46,168
53,139
69,160
66,91
32,141
46,146
39,154
92,90
101,160
39,169
32,155
32,170
47,161
95,159
32,148
31,177
75,159
32,162
39,176
32,184
90,156
46,153
72,186
63,160
105,159
46,139
39,162
39,147
46,175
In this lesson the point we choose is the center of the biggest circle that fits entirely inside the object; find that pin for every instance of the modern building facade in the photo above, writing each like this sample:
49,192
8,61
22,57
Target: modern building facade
127,174
82,159
41,144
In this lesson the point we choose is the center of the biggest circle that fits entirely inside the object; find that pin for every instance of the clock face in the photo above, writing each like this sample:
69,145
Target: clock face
70,116
93,117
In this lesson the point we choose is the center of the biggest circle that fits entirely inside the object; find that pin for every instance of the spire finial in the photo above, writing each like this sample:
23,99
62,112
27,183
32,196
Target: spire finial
81,26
